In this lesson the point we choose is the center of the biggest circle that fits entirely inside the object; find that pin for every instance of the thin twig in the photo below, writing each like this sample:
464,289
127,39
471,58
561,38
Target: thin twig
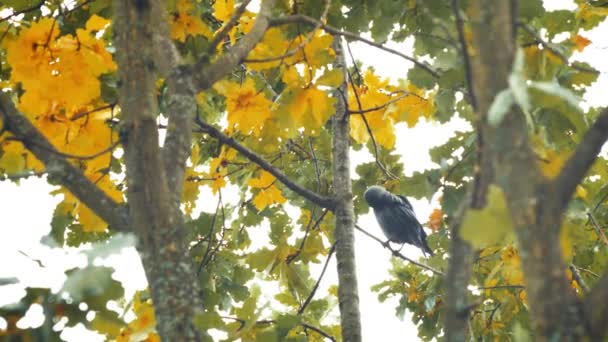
314,289
576,276
468,71
98,109
398,254
553,50
597,228
25,10
310,226
369,130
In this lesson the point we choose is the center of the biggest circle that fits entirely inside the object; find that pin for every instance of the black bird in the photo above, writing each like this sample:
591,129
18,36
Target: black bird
396,217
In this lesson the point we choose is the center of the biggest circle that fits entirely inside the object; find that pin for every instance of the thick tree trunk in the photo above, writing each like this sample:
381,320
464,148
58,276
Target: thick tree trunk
153,215
556,313
348,295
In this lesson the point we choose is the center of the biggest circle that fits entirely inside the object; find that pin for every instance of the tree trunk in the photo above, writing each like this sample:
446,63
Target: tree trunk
348,296
155,219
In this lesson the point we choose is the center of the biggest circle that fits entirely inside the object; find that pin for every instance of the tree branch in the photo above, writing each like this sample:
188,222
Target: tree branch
596,310
396,253
348,292
321,201
71,177
314,289
143,53
468,73
206,75
579,163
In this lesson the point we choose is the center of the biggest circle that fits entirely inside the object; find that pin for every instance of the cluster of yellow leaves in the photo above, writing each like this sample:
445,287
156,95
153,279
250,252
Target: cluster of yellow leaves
277,50
247,108
60,79
58,72
183,23
142,327
506,272
385,105
268,193
223,11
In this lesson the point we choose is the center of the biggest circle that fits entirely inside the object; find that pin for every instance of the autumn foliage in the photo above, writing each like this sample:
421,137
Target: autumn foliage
250,104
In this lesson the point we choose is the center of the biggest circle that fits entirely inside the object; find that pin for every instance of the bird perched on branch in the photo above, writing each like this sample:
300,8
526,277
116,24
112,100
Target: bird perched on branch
396,217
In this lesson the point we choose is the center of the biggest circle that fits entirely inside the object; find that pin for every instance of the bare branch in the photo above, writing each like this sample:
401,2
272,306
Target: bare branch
25,10
468,72
398,254
312,21
321,201
314,289
71,177
579,163
597,228
576,276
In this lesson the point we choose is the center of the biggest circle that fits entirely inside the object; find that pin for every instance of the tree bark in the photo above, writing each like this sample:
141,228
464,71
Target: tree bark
155,220
348,295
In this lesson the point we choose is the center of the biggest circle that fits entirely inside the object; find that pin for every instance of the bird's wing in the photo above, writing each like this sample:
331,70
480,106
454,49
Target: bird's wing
406,202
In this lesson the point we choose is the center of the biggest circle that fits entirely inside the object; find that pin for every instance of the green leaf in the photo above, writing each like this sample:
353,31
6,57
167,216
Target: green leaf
93,285
556,89
488,226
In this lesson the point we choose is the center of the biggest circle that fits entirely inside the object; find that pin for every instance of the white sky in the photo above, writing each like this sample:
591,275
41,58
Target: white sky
26,211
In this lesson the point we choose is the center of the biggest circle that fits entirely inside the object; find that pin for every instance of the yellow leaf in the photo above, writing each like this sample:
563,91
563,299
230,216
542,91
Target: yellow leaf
435,219
331,78
581,192
268,194
566,241
580,42
268,197
382,127
12,157
490,225
318,51
184,23
89,220
264,180
308,108
96,23
223,9
551,163
273,44
292,78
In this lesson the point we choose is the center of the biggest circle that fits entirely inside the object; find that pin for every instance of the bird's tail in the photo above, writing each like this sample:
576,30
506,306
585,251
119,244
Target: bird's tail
426,249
